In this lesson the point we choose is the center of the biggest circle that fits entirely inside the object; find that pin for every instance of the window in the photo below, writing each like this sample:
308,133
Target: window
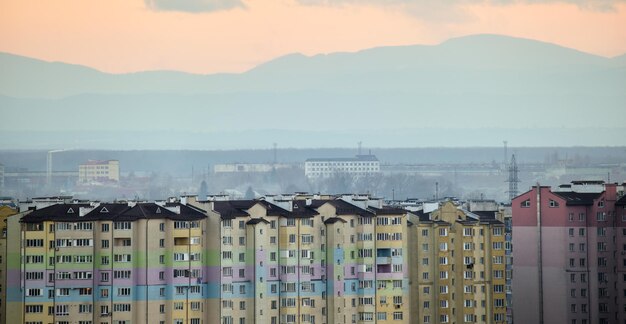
121,257
33,308
121,274
122,225
525,203
121,308
123,291
553,203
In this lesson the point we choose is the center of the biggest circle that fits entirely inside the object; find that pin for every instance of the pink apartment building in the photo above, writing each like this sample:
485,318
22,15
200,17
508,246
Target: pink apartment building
569,254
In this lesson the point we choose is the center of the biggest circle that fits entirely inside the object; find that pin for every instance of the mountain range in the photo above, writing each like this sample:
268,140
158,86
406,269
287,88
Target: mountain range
422,94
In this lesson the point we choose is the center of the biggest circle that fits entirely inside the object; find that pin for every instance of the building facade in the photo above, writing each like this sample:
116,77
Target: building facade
99,172
570,254
281,259
7,208
460,267
106,263
360,165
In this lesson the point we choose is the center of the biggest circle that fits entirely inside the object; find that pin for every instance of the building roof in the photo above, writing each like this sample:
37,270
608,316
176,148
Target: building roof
112,212
484,215
578,198
388,210
345,208
333,220
98,162
621,201
230,209
301,210
357,158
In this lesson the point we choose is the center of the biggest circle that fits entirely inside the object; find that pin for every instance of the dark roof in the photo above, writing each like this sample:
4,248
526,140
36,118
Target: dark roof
491,222
60,212
255,221
358,158
578,198
112,211
301,210
333,220
485,214
345,208
387,210
621,201
230,209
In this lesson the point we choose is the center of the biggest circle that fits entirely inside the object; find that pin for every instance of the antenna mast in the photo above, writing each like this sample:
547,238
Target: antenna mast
513,179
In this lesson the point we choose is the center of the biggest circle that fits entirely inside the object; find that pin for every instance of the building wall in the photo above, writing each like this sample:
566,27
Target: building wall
565,264
5,213
90,283
338,266
99,171
461,267
331,167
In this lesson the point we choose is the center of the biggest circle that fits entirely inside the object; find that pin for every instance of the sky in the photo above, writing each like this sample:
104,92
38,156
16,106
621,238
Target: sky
211,36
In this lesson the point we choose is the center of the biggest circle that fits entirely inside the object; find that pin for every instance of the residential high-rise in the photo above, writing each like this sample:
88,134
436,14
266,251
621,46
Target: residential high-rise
279,259
459,262
309,261
107,263
7,208
569,250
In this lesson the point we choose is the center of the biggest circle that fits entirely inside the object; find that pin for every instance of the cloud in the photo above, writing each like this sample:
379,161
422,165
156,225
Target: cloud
193,5
412,5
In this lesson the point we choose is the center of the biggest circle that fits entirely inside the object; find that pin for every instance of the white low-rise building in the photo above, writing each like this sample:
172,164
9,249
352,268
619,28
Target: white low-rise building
359,165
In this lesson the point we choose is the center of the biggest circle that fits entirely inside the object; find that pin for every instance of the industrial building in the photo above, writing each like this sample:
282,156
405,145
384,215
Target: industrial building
359,165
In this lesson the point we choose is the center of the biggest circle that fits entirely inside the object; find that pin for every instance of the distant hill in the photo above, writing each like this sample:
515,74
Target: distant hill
480,81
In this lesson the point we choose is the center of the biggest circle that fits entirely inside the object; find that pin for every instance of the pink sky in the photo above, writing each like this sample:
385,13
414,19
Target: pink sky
126,36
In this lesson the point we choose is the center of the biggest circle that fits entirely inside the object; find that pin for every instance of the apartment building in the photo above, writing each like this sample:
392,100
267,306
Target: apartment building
570,254
281,259
309,261
459,262
99,172
7,208
107,263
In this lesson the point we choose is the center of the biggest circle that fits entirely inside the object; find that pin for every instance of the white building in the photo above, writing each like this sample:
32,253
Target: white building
99,172
248,167
359,165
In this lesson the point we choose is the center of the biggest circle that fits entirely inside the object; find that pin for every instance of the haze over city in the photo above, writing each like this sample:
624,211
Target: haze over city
312,161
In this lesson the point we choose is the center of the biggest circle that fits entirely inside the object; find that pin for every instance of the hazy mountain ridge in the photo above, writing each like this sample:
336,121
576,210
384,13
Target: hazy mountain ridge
30,78
481,81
